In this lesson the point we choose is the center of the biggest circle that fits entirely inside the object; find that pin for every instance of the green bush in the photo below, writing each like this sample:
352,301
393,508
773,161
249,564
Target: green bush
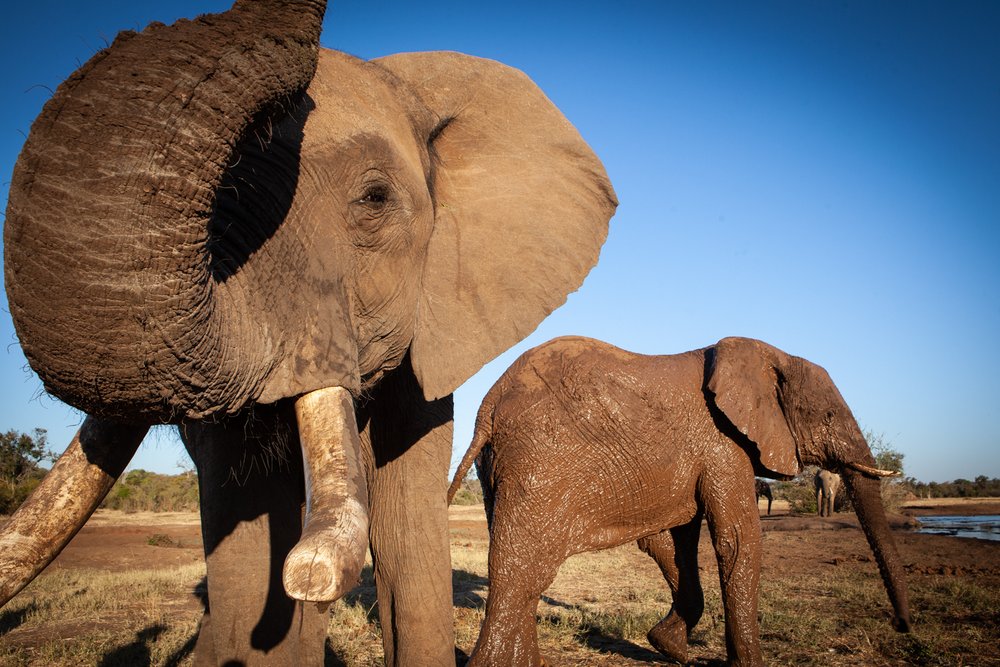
143,491
470,493
20,472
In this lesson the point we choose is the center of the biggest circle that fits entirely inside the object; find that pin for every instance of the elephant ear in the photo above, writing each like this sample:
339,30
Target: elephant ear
743,377
521,210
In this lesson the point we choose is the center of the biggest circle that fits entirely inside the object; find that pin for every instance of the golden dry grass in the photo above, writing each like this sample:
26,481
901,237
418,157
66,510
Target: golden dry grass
822,603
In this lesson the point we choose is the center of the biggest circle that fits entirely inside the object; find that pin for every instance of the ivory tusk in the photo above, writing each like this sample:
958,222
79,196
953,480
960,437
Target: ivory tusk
326,563
65,499
872,472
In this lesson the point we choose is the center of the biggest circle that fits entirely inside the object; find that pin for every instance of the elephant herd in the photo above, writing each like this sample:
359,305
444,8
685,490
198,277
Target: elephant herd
288,253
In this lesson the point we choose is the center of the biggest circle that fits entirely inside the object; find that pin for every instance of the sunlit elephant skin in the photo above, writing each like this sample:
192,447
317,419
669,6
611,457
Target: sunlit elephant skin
290,253
762,488
582,446
827,485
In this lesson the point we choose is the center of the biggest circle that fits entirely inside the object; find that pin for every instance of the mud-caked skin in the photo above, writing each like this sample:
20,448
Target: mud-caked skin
583,446
291,253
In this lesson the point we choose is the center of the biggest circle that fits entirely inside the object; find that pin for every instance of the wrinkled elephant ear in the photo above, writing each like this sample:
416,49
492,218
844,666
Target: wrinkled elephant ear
743,378
522,209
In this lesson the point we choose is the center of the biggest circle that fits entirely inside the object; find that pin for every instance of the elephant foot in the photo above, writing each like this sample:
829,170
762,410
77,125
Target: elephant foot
669,637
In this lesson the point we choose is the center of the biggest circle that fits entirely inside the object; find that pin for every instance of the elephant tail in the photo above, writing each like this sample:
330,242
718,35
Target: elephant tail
481,437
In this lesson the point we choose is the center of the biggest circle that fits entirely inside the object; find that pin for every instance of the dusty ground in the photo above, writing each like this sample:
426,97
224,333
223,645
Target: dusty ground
806,558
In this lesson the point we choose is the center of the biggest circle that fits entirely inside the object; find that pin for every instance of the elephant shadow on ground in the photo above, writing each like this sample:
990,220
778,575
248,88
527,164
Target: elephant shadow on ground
469,589
139,651
12,618
597,637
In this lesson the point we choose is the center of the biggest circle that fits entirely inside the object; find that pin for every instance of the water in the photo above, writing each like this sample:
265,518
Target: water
982,527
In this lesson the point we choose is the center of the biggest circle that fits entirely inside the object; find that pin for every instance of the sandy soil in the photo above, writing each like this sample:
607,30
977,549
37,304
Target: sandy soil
117,541
952,507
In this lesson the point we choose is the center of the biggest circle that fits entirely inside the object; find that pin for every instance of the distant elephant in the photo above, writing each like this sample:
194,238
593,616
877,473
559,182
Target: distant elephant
582,446
762,488
220,225
827,484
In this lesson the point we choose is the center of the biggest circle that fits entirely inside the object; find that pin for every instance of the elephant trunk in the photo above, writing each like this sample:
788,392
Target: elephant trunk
65,499
866,498
326,562
110,272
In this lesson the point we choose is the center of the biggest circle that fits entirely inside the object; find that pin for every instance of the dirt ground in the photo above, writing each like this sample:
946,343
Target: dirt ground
797,548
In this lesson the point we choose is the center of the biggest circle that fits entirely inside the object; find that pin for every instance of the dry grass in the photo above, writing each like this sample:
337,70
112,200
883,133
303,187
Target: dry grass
89,617
822,603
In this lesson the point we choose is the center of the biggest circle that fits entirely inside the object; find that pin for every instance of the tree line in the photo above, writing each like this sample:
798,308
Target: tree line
22,456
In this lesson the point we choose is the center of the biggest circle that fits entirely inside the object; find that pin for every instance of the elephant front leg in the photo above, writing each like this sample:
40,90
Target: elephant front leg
407,443
251,496
676,552
734,524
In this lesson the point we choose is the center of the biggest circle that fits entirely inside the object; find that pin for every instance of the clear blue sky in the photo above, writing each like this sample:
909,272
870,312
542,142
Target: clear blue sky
824,176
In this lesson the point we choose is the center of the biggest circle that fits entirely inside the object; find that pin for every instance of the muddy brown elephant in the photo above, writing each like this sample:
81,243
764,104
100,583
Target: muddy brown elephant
582,446
827,484
220,225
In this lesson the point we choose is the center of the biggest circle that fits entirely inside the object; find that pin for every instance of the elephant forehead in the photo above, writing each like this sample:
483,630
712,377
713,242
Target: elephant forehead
358,107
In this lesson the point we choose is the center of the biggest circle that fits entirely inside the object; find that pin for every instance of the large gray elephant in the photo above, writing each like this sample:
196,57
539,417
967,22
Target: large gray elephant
582,446
220,225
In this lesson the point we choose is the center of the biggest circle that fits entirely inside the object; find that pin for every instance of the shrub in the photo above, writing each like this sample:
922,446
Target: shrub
470,493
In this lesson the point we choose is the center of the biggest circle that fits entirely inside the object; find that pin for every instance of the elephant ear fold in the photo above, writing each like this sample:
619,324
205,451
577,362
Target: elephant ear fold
743,378
521,210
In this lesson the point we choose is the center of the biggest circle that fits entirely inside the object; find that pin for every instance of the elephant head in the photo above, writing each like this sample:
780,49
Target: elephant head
219,213
790,414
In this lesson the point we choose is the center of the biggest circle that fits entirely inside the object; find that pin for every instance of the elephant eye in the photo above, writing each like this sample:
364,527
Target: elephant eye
376,196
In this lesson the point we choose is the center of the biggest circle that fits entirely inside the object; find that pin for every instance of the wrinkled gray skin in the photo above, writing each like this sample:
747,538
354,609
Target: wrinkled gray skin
217,224
827,485
582,446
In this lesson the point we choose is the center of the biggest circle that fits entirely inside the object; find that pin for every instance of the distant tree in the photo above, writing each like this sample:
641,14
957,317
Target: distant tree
886,457
141,490
20,469
471,491
894,489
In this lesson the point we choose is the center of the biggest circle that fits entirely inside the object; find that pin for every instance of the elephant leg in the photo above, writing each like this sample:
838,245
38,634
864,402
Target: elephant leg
676,552
521,567
406,443
735,528
251,492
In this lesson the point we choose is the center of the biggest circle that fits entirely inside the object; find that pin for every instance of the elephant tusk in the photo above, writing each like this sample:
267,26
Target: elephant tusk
872,472
64,500
326,563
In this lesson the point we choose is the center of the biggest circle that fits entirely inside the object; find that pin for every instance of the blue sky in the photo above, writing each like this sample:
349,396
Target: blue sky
824,176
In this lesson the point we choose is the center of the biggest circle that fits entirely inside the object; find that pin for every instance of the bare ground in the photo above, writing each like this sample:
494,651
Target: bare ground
822,602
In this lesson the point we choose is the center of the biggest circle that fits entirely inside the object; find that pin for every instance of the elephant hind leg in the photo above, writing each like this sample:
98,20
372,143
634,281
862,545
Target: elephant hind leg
522,564
676,552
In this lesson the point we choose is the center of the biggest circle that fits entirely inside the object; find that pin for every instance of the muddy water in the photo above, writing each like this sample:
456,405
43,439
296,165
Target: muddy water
981,527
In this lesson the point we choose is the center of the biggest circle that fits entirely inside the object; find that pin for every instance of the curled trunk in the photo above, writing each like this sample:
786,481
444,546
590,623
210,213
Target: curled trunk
866,498
109,265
